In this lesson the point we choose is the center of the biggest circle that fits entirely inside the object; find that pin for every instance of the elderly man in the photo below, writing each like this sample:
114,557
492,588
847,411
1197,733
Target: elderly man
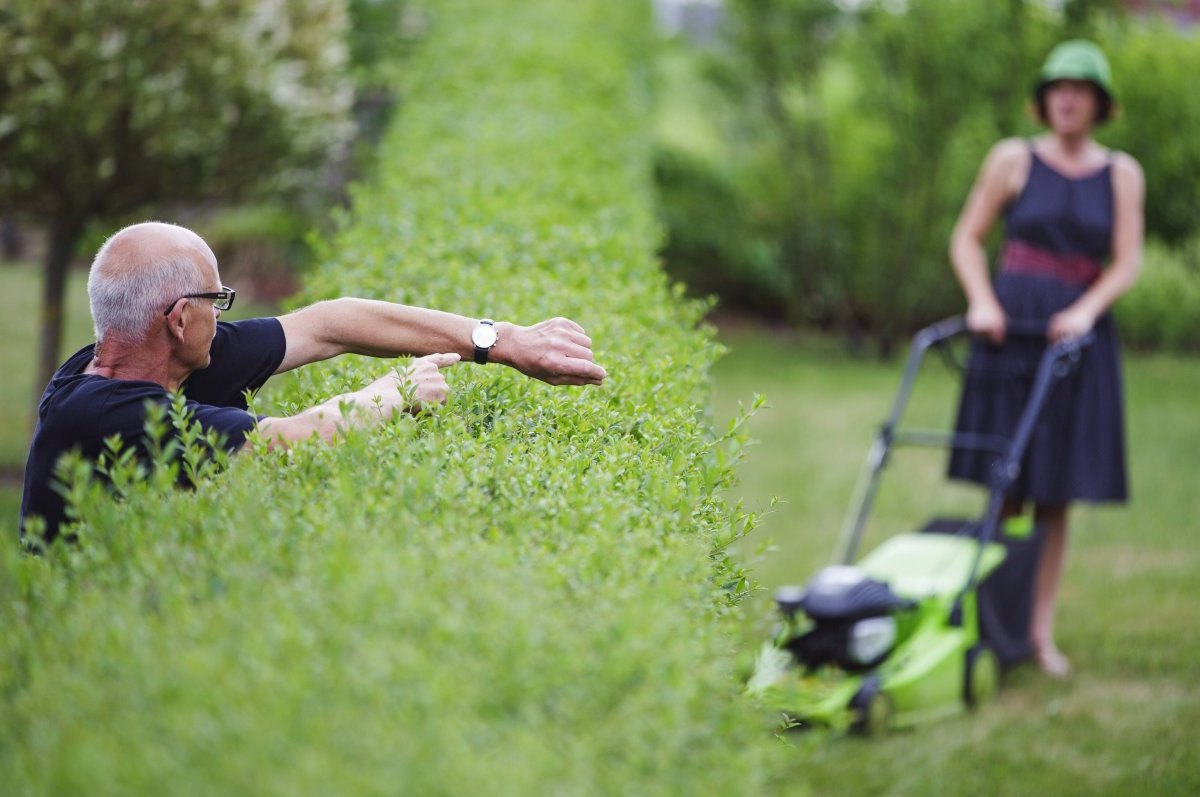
156,296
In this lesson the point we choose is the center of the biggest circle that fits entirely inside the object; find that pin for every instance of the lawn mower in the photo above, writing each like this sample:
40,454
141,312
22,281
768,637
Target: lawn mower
921,627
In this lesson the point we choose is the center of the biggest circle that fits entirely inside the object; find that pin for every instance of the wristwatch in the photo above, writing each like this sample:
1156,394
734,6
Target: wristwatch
484,338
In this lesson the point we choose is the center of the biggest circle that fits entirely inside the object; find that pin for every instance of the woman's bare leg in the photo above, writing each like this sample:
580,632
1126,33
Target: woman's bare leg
1053,520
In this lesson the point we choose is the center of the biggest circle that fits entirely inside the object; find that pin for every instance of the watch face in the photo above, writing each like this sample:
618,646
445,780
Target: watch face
484,336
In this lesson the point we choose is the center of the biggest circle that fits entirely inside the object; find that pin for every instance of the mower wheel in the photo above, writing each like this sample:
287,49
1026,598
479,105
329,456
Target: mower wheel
872,709
981,676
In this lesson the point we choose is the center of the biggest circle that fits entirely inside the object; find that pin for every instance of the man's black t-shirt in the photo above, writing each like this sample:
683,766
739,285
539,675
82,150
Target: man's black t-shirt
79,411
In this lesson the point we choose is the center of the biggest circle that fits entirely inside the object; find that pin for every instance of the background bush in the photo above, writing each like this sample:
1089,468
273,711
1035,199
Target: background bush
1155,69
840,147
108,107
523,593
1164,310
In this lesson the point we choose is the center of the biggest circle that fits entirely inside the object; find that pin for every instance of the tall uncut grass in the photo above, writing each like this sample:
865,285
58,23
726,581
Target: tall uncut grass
523,593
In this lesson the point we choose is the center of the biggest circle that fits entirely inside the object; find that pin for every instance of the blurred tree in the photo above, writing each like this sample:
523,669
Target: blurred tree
107,106
382,34
786,45
1154,71
1080,16
942,82
866,129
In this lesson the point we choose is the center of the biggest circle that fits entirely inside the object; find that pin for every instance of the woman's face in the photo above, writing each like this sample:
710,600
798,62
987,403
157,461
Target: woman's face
1071,106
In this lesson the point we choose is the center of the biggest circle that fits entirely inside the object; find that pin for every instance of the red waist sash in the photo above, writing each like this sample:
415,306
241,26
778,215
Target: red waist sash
1019,257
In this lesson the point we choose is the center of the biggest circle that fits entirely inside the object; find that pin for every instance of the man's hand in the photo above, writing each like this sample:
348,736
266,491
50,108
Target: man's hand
425,380
420,385
556,351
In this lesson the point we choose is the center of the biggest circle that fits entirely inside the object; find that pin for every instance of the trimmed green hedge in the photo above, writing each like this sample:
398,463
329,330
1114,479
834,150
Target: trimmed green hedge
523,593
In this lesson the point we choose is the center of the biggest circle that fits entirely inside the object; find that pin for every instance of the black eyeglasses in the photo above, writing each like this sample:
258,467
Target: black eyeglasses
222,299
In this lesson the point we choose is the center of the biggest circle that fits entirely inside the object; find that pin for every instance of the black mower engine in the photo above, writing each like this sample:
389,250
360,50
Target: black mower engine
852,618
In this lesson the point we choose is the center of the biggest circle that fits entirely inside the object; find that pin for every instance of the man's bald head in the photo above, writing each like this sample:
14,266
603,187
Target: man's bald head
142,269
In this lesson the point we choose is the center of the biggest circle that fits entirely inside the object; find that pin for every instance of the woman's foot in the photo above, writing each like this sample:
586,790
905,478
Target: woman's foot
1051,661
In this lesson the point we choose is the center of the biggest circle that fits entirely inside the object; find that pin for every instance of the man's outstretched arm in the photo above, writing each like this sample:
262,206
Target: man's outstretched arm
420,386
556,351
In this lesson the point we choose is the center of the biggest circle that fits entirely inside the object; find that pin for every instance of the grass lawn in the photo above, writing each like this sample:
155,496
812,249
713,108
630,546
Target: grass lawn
1125,722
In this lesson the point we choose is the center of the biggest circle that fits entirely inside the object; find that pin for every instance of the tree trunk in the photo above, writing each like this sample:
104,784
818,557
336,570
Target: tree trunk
65,233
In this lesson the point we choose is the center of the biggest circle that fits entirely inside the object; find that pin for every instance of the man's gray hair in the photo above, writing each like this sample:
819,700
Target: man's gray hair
125,301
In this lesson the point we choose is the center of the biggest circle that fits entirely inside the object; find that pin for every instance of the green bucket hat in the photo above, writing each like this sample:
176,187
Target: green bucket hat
1077,59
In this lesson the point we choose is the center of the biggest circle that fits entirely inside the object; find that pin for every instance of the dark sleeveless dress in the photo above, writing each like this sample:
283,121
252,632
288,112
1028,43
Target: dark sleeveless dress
1058,234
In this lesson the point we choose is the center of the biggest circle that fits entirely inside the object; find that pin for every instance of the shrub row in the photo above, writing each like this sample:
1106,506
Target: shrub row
523,593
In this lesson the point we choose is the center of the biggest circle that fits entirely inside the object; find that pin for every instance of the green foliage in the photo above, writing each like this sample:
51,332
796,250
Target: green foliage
109,106
262,248
1154,69
381,31
1163,309
525,591
944,81
106,105
698,196
856,137
848,142
268,221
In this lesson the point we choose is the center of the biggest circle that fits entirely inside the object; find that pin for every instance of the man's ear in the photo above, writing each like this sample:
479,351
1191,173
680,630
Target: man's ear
177,322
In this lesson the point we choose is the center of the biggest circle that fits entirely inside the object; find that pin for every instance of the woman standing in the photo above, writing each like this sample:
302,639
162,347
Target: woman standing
1071,207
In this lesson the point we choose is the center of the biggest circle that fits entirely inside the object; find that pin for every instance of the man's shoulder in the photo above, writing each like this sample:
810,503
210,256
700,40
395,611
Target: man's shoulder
244,354
96,403
266,330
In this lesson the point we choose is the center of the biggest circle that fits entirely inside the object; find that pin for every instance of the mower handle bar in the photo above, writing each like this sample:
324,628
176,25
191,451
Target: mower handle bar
943,331
956,325
1057,360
